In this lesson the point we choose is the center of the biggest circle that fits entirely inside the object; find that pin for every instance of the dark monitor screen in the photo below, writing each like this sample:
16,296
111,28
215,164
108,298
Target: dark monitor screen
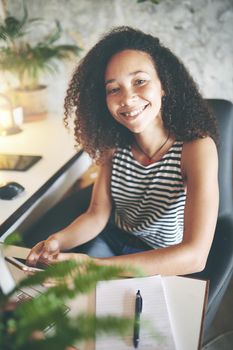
17,162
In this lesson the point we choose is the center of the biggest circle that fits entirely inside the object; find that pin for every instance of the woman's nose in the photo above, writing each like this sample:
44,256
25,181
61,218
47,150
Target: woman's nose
128,97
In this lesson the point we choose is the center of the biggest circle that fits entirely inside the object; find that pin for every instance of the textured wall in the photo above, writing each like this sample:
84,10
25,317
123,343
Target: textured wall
200,32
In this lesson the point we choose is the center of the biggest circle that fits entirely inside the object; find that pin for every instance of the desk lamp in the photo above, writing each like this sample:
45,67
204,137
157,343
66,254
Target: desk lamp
8,124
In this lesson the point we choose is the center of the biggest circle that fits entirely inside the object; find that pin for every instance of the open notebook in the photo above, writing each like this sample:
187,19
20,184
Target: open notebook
172,314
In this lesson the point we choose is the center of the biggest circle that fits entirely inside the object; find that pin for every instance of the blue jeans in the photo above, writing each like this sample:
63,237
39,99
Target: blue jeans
111,242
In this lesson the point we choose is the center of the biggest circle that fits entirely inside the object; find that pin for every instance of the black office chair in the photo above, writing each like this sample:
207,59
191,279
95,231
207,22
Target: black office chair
219,267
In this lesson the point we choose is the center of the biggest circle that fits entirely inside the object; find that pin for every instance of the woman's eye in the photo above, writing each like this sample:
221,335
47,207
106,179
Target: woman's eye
140,81
112,91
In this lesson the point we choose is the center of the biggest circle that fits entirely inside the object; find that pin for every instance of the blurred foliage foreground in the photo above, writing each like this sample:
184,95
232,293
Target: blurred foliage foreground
22,328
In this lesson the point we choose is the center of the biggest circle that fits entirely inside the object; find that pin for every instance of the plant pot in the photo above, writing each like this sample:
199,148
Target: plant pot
34,102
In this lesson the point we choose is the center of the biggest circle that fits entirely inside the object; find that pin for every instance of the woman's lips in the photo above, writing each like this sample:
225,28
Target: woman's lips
133,113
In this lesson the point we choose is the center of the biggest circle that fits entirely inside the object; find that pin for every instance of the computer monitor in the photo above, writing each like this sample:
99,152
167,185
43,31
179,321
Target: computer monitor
7,282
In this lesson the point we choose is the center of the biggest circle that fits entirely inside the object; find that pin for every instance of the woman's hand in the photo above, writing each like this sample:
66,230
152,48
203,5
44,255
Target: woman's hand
44,252
48,251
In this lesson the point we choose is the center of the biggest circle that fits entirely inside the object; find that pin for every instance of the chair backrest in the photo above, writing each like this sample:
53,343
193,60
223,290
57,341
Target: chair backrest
219,267
223,111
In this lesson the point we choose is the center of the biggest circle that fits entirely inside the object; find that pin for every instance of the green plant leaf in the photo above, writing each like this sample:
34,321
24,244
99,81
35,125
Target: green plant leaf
54,35
13,239
37,314
29,60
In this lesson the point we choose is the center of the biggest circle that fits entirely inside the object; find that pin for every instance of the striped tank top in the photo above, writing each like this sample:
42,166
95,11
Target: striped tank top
149,200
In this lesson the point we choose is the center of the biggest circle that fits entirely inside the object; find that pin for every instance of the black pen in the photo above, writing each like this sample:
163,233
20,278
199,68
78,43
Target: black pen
138,310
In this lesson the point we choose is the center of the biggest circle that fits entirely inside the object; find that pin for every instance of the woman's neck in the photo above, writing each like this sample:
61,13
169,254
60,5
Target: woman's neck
147,149
151,140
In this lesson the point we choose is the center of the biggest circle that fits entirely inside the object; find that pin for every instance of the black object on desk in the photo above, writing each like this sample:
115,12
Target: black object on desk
138,310
10,190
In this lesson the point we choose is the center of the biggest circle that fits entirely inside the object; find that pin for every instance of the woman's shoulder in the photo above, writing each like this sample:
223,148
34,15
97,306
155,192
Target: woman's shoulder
200,144
199,153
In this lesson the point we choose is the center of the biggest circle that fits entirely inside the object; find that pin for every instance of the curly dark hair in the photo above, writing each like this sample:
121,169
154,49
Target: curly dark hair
185,113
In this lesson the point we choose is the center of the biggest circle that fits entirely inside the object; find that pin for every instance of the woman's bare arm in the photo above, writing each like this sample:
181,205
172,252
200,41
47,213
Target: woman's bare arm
86,227
92,222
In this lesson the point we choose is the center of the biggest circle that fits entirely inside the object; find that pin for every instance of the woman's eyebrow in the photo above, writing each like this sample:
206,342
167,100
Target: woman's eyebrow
109,81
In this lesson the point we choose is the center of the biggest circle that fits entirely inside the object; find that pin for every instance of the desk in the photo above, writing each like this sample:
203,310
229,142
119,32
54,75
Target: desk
182,294
47,180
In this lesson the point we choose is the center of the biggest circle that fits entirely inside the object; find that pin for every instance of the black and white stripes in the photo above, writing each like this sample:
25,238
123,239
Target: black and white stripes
149,200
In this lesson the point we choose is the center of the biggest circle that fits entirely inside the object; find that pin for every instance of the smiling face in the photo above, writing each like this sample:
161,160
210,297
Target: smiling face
133,90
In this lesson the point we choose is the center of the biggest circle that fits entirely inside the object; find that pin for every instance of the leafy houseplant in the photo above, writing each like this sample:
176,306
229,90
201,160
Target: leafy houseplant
22,328
27,59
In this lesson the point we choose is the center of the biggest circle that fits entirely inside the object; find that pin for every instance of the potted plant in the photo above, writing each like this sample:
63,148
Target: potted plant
27,60
24,327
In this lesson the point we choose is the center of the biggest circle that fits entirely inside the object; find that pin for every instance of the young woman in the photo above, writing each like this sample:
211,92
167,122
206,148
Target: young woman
155,201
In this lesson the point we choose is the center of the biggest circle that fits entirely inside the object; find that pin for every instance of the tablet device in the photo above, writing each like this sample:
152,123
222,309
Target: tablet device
17,162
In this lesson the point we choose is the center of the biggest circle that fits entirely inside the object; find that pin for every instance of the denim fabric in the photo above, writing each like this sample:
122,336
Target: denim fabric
111,242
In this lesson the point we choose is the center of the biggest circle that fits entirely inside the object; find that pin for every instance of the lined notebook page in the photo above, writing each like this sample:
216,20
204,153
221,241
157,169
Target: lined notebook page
117,298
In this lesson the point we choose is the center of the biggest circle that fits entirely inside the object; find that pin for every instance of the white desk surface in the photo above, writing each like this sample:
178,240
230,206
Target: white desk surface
48,138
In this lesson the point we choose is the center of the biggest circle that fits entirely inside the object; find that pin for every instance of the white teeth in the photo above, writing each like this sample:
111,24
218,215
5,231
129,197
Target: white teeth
135,112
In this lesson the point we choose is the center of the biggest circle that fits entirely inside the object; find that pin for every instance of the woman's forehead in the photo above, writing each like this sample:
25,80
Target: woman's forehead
129,62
